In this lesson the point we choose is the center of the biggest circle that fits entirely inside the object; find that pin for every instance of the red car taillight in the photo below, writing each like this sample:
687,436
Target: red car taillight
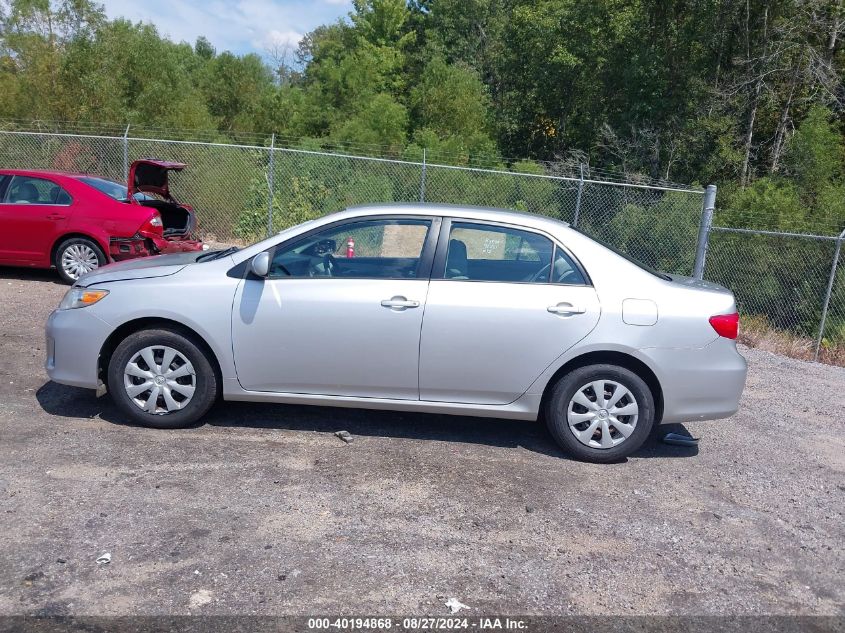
726,325
153,225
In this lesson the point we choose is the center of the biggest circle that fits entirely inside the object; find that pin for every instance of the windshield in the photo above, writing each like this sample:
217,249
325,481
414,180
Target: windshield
111,189
636,262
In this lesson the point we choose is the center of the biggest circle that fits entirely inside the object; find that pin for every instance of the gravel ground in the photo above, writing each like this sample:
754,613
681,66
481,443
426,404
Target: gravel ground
264,511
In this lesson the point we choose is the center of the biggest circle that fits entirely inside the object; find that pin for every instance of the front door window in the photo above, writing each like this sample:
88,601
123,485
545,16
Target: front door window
372,249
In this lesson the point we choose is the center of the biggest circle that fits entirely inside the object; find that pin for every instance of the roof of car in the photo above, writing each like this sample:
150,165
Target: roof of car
46,172
493,214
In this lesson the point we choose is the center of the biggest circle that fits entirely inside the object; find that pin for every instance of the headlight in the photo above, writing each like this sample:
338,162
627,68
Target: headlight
81,297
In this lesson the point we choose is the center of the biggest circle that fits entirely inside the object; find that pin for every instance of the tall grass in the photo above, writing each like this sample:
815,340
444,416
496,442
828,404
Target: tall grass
756,331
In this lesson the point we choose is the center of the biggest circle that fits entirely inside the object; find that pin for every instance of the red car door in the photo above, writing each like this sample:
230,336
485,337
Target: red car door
33,212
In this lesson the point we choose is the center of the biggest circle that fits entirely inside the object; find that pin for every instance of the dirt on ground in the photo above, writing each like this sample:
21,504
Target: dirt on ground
263,510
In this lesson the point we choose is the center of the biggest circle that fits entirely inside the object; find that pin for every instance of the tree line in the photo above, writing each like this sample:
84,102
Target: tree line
747,94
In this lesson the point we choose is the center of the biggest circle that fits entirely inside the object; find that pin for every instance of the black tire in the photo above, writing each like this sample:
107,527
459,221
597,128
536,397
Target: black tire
79,242
205,379
562,393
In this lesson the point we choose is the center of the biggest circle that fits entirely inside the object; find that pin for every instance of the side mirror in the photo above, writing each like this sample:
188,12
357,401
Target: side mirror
260,264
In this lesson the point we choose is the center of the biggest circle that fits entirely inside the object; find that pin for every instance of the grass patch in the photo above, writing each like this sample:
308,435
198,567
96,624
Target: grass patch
756,331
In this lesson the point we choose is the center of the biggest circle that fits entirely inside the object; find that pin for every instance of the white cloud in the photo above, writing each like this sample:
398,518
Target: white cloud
236,25
279,39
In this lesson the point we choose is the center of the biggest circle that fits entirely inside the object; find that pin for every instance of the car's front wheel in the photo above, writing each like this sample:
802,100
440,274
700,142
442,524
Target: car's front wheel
162,378
76,256
600,413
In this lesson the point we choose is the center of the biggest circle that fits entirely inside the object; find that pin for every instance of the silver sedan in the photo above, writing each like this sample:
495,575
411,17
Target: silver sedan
438,309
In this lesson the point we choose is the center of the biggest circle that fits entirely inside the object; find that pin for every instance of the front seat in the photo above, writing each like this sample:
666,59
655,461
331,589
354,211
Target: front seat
456,260
25,193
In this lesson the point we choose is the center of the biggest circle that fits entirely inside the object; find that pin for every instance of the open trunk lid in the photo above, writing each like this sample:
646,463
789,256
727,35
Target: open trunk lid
149,175
152,177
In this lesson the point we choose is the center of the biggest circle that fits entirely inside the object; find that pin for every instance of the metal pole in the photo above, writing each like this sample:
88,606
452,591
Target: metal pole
126,153
578,198
270,173
704,231
422,179
829,292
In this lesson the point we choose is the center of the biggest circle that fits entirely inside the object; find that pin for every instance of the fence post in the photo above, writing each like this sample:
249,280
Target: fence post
422,179
830,281
578,197
270,179
704,231
126,153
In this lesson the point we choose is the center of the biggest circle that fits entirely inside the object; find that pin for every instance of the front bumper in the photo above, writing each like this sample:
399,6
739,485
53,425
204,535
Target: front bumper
699,384
74,340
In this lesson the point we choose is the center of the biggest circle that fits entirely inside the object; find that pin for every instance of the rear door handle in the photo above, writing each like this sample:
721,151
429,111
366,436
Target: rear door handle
399,303
56,216
566,309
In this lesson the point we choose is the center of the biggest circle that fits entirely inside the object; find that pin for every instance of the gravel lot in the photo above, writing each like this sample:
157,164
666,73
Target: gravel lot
264,510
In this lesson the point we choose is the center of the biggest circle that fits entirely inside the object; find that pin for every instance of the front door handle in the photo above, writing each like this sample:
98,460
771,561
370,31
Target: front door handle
399,303
566,309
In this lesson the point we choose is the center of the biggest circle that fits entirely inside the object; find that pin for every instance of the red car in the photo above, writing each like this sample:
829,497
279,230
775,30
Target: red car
78,222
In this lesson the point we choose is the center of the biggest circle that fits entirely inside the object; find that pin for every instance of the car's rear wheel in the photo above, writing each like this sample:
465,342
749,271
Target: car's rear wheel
600,413
162,378
76,256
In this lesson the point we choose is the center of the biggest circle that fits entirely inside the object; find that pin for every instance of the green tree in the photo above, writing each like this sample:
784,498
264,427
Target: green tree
128,73
379,124
816,152
34,35
235,89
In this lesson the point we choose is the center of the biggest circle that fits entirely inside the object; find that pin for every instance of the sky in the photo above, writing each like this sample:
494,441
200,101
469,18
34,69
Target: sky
240,26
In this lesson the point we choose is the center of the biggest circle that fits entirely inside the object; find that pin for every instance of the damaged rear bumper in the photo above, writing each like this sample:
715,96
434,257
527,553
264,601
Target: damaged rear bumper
121,248
177,245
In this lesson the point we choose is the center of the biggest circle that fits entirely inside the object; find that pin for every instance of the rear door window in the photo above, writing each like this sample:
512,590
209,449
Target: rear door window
489,252
486,252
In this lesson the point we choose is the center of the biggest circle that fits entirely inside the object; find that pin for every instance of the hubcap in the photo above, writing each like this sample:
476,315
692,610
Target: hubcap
159,380
602,414
78,259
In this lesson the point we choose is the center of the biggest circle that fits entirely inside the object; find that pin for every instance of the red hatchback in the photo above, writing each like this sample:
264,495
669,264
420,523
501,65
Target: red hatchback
78,222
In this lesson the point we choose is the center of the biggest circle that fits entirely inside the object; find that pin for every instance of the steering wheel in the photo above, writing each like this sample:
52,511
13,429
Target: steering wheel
324,267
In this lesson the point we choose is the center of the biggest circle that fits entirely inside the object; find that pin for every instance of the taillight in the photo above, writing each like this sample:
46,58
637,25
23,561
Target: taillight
153,225
726,325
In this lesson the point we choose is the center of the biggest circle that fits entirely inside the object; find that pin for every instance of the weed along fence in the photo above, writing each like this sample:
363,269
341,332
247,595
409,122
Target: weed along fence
790,287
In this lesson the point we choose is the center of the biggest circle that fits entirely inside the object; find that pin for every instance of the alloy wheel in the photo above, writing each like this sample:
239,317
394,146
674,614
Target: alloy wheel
602,414
159,380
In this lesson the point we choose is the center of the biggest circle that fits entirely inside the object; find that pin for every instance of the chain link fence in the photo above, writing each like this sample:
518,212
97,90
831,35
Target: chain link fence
790,289
790,292
241,193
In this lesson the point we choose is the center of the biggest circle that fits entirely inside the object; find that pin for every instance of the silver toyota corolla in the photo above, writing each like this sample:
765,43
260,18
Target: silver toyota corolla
437,309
